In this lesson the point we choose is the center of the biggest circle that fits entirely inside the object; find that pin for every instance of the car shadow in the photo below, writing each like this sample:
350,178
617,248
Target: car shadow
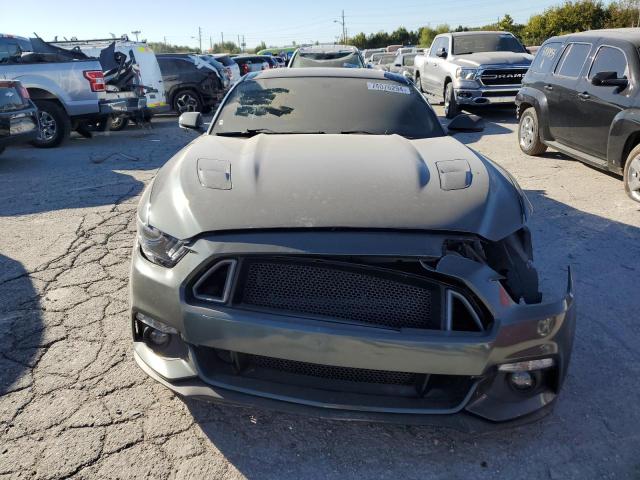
495,121
264,445
21,326
84,172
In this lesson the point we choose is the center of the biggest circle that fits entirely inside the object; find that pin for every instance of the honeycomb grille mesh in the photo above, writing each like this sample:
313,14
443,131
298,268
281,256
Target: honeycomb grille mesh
359,375
331,291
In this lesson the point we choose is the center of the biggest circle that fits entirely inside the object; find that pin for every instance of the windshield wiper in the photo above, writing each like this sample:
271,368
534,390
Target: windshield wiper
256,131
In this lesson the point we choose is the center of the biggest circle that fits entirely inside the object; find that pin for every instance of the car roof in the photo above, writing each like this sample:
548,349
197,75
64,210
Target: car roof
366,73
328,48
478,32
631,35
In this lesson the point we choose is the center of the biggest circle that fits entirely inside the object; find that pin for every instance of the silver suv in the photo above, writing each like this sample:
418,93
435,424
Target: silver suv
472,68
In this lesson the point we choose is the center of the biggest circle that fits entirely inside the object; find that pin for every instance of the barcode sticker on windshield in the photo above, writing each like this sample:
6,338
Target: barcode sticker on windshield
386,87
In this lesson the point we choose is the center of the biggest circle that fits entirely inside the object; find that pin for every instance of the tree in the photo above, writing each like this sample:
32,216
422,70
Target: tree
159,47
226,47
624,13
261,46
427,34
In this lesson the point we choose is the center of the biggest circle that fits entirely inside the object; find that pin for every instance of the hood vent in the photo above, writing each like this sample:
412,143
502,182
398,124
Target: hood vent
454,174
214,174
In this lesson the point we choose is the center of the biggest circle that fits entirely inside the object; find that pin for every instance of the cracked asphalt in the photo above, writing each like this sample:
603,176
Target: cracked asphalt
73,404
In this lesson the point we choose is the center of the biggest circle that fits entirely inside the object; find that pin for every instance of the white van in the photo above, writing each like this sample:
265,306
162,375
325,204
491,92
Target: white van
139,62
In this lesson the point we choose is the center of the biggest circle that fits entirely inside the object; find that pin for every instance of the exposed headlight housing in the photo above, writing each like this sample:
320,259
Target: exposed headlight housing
160,248
466,73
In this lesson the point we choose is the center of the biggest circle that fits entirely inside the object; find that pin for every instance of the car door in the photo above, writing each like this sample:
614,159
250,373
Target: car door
561,89
600,104
433,73
169,70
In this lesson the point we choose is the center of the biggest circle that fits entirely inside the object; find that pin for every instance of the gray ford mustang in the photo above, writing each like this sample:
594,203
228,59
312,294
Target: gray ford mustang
326,248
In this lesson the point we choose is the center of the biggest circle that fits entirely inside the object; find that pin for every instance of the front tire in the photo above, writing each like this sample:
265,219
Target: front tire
451,107
55,125
529,133
632,174
187,101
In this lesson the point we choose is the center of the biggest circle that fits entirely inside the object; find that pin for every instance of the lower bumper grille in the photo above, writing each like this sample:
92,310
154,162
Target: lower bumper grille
340,291
359,375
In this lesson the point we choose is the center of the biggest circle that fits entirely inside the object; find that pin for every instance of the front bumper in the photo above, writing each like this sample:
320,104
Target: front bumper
18,126
514,336
473,92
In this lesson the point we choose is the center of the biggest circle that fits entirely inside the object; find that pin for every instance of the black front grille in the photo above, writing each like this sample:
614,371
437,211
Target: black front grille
511,76
348,374
339,291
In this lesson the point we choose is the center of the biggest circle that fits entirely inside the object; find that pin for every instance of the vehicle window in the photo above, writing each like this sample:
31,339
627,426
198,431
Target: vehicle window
409,60
387,59
572,59
609,59
484,42
344,58
167,66
438,43
545,57
328,105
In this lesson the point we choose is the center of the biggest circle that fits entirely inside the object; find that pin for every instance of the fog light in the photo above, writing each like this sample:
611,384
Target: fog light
155,324
156,337
527,366
522,380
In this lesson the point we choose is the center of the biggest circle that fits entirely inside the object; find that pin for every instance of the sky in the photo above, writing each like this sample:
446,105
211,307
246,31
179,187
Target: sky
275,22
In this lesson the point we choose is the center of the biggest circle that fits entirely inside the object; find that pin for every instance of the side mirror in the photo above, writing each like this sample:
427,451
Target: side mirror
442,53
397,64
466,123
609,79
191,121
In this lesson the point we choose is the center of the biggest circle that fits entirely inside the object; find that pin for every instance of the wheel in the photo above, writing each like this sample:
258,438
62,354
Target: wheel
55,125
419,83
118,123
187,101
451,107
529,133
632,174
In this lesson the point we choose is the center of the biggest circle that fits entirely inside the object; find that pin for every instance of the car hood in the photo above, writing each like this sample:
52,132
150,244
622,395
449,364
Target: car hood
492,58
330,181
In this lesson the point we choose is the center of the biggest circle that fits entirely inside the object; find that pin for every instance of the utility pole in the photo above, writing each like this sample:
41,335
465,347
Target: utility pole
243,44
165,41
239,43
344,28
222,38
210,43
200,37
136,33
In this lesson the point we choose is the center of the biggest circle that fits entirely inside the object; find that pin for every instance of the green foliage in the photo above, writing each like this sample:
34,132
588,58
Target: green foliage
226,47
159,47
427,34
400,36
261,46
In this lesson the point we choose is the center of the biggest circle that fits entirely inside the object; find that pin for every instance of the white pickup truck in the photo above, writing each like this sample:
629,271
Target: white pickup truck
472,68
67,87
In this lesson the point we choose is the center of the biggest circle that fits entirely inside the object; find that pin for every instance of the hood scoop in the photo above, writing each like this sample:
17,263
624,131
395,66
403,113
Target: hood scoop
215,174
454,174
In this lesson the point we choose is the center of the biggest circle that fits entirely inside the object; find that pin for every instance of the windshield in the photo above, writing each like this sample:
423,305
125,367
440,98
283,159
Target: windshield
340,59
483,42
387,59
326,105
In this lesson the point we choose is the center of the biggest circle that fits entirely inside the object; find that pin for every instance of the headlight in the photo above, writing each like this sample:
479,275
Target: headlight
466,73
160,248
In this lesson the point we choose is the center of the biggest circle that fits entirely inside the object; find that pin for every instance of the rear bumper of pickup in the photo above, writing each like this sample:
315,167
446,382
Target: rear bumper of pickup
122,103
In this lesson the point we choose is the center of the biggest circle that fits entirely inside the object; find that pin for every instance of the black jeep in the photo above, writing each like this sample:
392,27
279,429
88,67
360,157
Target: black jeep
580,97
